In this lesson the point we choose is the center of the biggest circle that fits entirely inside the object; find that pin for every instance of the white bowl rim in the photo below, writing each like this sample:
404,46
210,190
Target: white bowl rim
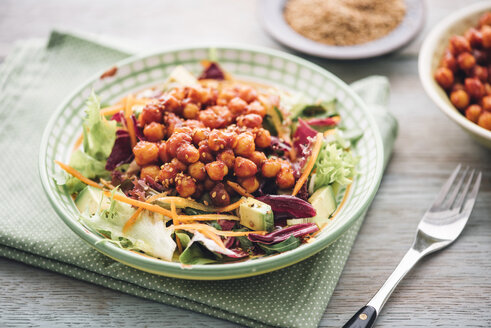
426,75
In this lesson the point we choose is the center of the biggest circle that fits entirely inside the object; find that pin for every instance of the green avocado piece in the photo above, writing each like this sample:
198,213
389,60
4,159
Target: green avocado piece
256,215
324,202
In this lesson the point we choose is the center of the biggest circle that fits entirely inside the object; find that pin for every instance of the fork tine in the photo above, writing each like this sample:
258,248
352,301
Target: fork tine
449,201
460,199
469,204
446,187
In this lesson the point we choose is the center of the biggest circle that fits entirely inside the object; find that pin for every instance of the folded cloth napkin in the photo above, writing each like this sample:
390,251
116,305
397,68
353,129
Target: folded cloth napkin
34,78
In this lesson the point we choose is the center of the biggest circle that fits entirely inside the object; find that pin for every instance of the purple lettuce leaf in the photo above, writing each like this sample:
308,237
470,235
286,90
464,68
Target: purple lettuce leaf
286,206
297,230
121,152
213,71
302,138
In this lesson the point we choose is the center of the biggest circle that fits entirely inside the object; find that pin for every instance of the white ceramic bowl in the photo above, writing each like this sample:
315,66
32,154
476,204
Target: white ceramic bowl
430,55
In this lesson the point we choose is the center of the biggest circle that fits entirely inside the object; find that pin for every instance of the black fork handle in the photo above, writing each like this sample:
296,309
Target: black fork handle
364,318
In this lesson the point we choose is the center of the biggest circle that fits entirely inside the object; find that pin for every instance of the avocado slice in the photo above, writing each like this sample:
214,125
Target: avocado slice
324,202
256,215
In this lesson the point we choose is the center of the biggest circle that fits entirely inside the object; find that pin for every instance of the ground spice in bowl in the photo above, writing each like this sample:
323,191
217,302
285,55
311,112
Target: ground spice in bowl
344,22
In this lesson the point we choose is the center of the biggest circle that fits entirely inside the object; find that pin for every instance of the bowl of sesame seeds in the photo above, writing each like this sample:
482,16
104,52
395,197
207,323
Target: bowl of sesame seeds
343,29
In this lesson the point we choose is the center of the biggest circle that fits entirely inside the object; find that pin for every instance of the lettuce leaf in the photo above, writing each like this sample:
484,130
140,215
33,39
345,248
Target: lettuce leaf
335,164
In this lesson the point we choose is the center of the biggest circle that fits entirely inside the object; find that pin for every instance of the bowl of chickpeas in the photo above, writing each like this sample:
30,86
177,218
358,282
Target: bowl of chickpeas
455,69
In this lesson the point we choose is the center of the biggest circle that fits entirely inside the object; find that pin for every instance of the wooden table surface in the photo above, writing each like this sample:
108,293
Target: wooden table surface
450,288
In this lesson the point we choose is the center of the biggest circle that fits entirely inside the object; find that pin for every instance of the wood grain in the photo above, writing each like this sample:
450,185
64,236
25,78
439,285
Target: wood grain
450,288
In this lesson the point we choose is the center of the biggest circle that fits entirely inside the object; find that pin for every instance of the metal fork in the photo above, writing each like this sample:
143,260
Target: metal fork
440,226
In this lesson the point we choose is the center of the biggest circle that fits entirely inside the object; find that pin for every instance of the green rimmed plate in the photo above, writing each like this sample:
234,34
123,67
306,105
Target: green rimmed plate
244,62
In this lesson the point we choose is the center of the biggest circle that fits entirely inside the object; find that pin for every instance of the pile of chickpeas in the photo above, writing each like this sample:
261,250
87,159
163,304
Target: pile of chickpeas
198,138
465,72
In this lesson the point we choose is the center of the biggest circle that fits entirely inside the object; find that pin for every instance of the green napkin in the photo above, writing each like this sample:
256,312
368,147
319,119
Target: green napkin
34,79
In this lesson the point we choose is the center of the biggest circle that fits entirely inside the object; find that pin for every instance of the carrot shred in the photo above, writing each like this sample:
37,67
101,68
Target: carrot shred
239,189
78,142
309,165
208,217
111,110
213,236
231,207
128,112
133,218
78,175
137,203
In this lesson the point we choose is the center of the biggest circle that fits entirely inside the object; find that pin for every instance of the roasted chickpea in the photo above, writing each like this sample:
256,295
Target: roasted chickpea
458,86
167,174
449,61
444,77
486,36
150,113
180,166
196,95
255,107
171,104
188,154
205,155
200,189
190,111
175,141
184,129
485,19
474,88
270,167
250,184
481,56
216,140
154,131
200,134
178,93
285,178
480,72
216,170
225,96
185,185
219,196
237,106
263,138
459,44
466,61
486,103
247,93
473,112
485,120
487,88
250,121
474,37
193,125
197,171
209,184
245,145
258,158
164,156
146,153
460,99
228,157
244,167
215,117
151,171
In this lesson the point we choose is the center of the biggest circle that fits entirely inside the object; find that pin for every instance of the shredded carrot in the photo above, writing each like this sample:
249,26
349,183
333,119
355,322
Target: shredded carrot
111,110
216,238
137,203
175,221
208,217
329,132
239,189
78,142
131,221
345,197
202,227
309,165
78,175
184,202
128,112
231,207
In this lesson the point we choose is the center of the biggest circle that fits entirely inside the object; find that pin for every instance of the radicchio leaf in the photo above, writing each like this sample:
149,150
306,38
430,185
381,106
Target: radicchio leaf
288,206
297,230
213,71
214,247
121,152
226,225
302,138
